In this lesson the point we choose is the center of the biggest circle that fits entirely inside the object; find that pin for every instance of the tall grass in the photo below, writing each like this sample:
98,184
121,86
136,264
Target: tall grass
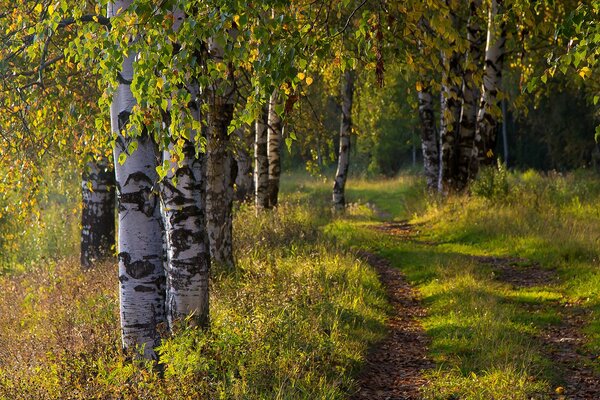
292,322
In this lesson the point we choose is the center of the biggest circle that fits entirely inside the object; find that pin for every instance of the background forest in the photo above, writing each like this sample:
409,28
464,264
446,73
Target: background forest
206,198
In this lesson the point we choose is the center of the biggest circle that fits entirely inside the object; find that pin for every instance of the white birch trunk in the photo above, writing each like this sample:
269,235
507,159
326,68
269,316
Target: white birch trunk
140,246
471,94
487,117
274,148
261,165
243,140
220,172
98,212
341,175
450,113
188,260
219,191
183,200
429,139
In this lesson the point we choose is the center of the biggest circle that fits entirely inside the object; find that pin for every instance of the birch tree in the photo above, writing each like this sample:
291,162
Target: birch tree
261,165
220,172
243,139
429,138
140,246
274,133
487,117
470,96
341,175
450,104
98,212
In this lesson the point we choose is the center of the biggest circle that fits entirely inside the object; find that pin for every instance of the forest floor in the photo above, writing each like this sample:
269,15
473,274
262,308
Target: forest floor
505,287
495,295
395,368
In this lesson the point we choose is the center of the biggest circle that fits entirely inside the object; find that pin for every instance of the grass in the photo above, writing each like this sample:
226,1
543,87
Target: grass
485,333
295,320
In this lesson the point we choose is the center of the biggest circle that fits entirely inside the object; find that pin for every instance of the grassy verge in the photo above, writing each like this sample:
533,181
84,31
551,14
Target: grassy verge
485,332
293,322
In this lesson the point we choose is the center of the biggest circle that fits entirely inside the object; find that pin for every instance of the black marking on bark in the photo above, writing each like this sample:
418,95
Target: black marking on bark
144,289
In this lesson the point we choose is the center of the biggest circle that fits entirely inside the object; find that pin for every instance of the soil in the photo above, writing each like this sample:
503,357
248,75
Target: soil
394,368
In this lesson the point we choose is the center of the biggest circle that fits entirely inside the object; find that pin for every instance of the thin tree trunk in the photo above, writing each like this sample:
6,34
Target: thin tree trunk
450,112
98,213
220,178
183,200
471,94
504,132
140,246
429,139
261,165
339,186
243,182
487,117
274,148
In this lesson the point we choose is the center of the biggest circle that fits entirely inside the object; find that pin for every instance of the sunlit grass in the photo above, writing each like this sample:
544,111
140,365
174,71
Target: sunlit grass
293,322
485,333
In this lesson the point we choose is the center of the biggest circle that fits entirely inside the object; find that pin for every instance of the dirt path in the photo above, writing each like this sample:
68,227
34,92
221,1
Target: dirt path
394,368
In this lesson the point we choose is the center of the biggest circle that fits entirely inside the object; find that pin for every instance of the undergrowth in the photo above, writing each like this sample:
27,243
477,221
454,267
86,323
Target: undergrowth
293,322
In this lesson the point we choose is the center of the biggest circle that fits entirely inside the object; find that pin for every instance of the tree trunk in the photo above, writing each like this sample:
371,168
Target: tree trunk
220,178
504,132
140,246
339,186
274,148
429,139
471,93
487,117
188,260
261,165
450,112
98,213
243,182
183,199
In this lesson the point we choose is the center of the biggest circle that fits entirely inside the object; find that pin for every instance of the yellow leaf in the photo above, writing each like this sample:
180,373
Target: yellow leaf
419,86
159,84
38,8
560,390
50,9
309,81
236,19
301,75
585,71
489,153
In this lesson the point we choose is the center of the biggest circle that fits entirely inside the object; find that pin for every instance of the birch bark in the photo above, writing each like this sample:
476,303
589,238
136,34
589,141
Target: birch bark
274,133
98,212
261,165
183,200
429,139
242,142
220,180
487,117
471,94
140,245
449,112
341,175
